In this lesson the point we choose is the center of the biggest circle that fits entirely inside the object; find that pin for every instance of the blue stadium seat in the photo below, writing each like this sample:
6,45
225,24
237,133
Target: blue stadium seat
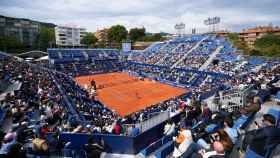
211,128
276,114
240,122
165,150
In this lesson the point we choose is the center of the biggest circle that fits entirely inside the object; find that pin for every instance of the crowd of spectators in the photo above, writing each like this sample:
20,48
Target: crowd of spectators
193,139
33,110
199,56
43,100
75,69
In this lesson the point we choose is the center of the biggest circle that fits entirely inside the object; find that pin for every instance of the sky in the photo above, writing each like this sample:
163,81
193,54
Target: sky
154,15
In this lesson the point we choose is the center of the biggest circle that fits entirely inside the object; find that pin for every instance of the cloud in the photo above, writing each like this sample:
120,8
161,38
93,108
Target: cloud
154,15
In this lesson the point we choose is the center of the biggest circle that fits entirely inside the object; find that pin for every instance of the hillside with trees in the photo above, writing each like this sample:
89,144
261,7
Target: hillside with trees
89,40
235,40
268,45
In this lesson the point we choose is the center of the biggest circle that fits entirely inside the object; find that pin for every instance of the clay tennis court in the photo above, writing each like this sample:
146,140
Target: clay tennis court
127,94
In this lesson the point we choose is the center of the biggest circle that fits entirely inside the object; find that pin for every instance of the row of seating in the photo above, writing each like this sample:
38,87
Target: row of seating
64,55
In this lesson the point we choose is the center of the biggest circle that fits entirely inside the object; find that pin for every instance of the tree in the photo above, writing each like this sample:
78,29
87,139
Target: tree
101,44
89,40
136,34
153,37
268,45
46,38
10,44
117,34
235,40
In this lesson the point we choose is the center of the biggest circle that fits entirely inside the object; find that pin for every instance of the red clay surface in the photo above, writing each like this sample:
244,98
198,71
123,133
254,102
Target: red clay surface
126,94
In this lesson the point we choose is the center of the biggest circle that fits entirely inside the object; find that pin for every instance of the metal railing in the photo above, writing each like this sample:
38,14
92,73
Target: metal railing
235,100
153,121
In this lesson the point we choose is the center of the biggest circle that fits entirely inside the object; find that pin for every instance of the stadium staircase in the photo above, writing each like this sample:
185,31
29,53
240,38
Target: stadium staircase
210,59
166,55
130,55
85,55
162,59
173,51
59,55
150,47
185,56
196,80
75,68
68,101
162,48
258,68
275,67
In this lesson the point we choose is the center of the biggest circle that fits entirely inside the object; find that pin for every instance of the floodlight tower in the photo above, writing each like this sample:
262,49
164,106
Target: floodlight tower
180,29
213,23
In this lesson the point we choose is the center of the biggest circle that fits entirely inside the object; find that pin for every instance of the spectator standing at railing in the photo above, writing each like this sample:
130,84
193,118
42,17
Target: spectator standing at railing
169,128
195,112
216,100
206,112
194,101
253,107
182,105
117,129
44,130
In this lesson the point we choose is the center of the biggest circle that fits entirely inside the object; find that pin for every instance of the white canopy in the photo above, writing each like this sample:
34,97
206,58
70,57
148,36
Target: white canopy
43,58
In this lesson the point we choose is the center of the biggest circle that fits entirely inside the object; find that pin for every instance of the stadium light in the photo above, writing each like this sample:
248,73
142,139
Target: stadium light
213,23
180,29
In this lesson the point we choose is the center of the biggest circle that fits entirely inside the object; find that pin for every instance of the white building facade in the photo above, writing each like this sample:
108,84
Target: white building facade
69,35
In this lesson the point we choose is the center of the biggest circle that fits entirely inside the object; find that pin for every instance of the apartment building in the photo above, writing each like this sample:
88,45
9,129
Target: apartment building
252,34
69,35
24,30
